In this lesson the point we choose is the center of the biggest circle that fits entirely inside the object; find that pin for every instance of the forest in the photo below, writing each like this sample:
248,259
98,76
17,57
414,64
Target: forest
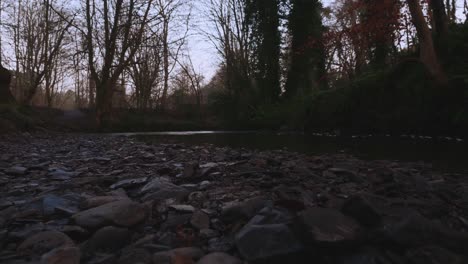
387,66
233,131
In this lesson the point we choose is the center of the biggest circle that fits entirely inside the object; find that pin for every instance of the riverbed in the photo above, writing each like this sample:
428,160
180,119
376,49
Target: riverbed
447,154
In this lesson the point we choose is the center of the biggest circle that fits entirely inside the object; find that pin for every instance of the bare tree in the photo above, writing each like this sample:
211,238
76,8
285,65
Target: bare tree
38,36
114,29
145,71
172,19
229,36
195,80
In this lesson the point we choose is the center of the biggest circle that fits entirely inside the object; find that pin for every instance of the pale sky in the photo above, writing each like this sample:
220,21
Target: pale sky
204,56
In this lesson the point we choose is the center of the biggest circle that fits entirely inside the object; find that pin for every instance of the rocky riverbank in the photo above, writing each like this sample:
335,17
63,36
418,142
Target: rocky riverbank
102,199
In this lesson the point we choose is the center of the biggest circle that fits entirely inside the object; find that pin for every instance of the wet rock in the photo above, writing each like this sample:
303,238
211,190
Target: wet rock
107,239
204,185
135,256
188,254
366,256
327,226
61,175
434,255
265,241
244,210
16,170
44,242
271,215
362,210
100,200
121,213
161,189
200,220
63,255
218,258
75,232
129,183
208,233
190,169
174,220
183,208
221,244
416,231
52,203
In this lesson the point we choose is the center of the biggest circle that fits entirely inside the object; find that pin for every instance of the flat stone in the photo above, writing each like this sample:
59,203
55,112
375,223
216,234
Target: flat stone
107,239
62,255
128,183
327,226
256,242
183,255
52,203
415,230
161,189
244,210
135,256
434,255
100,200
200,220
121,213
61,175
208,233
44,242
16,170
183,208
362,210
218,258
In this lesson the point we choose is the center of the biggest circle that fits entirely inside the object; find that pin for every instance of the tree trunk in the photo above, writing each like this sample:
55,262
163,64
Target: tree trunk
5,94
165,65
440,21
104,94
427,54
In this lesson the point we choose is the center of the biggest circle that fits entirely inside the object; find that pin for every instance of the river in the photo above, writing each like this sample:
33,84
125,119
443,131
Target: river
444,153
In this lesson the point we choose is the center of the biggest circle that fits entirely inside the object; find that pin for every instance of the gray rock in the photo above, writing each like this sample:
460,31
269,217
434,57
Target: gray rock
121,213
52,203
161,189
218,258
208,233
44,242
187,253
135,256
92,202
129,183
62,255
183,208
221,244
191,169
271,215
61,175
433,255
16,170
362,210
244,210
327,226
256,242
107,239
415,230
200,220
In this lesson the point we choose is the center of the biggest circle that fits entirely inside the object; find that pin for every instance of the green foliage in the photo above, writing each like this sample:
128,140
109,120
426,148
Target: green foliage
402,99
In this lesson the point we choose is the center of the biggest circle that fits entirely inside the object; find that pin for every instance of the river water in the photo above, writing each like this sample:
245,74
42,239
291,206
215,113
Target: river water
444,153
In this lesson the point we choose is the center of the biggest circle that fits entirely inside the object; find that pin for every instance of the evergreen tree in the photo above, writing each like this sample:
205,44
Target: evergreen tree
307,59
263,19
